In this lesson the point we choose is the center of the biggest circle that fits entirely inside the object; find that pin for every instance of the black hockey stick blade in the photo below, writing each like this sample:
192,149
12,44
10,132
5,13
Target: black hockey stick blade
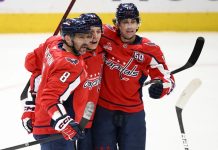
90,107
191,61
194,55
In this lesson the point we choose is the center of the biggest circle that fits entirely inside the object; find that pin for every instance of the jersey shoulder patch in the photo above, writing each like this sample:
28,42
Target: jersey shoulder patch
150,44
72,60
107,26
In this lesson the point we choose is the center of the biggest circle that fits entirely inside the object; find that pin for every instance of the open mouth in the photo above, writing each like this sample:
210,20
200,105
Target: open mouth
129,32
93,42
83,50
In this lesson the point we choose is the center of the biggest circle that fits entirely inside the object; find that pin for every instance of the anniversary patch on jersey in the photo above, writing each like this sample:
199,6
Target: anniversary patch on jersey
138,56
72,61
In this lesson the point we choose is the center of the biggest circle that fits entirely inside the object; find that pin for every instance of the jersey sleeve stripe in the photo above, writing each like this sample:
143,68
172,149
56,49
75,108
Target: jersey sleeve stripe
70,88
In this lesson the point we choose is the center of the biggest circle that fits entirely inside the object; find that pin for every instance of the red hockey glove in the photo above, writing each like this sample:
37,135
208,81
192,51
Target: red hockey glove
64,123
28,116
69,128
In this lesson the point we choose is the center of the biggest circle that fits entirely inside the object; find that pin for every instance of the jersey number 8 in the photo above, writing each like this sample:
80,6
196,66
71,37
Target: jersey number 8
64,77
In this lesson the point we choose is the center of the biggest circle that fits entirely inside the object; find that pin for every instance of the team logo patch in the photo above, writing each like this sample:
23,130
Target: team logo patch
92,83
72,61
150,44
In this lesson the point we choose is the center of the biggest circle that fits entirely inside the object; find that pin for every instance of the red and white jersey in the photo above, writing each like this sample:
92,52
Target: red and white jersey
62,75
34,62
94,63
126,68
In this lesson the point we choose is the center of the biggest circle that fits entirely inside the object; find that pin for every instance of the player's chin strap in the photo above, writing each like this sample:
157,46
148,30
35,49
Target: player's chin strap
76,52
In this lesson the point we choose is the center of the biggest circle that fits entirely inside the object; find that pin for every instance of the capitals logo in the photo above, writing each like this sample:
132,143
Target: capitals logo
95,82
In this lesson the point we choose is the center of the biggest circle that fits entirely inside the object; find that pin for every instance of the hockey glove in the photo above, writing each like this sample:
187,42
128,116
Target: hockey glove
28,116
69,128
64,123
155,90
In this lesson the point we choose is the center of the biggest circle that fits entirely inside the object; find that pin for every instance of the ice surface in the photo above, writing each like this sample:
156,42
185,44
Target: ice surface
200,115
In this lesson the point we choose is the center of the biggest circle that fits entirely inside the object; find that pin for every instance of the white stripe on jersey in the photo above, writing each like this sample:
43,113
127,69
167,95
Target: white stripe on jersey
166,73
70,88
60,112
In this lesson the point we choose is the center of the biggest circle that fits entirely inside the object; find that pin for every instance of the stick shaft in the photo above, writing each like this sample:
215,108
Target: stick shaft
90,106
64,16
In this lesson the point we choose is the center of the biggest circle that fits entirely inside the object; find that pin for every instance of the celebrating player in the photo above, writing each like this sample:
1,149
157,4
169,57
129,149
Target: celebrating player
61,98
94,61
130,59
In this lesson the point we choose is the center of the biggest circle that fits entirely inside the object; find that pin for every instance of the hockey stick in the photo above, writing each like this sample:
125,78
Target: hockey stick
85,119
64,16
191,61
180,104
24,94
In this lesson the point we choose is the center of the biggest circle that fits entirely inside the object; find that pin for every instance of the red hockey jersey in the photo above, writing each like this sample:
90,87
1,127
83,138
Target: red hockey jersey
126,68
34,62
62,75
94,62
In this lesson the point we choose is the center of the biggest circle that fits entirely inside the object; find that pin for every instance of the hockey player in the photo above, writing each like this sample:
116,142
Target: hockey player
120,117
94,61
61,98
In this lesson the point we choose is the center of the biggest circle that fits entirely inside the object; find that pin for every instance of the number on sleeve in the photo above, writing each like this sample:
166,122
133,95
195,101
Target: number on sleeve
64,77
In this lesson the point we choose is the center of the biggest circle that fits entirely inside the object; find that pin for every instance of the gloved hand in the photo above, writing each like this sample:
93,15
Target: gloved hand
155,90
28,116
69,128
